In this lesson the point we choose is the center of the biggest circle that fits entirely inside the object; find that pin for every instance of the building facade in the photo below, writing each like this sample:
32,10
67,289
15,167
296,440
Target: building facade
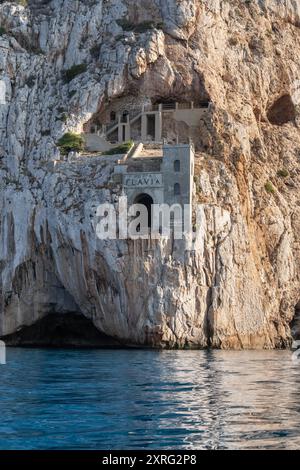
168,179
148,124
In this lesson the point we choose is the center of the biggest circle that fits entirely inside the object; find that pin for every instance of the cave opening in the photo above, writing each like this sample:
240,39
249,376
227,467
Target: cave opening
56,330
282,111
295,324
147,201
171,102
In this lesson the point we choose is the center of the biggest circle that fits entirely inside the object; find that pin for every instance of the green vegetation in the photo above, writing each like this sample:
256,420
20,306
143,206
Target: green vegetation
2,30
24,3
269,187
35,50
283,173
121,149
139,28
74,71
63,117
30,81
95,51
70,142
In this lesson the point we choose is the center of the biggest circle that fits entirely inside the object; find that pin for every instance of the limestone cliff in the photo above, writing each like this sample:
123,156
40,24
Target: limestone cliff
241,287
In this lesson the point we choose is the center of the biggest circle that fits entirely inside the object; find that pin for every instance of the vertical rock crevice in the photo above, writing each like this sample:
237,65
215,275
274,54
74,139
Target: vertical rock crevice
295,324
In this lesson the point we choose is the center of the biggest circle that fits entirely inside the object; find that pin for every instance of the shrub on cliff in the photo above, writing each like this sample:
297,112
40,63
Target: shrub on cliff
269,187
121,149
283,173
138,27
74,71
24,3
70,142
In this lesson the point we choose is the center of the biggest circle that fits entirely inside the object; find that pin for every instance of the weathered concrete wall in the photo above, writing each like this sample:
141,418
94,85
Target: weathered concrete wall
191,117
95,143
183,154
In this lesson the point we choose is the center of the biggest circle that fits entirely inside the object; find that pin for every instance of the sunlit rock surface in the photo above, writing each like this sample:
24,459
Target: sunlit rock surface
241,286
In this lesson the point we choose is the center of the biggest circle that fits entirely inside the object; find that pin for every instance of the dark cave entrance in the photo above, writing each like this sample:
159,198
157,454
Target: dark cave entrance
60,323
295,324
66,330
167,103
147,201
282,111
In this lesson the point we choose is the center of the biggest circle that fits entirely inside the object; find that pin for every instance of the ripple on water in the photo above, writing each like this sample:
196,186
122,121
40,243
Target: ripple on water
93,399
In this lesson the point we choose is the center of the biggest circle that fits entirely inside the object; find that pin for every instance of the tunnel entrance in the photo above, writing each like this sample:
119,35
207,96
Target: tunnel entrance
66,330
151,126
147,201
295,324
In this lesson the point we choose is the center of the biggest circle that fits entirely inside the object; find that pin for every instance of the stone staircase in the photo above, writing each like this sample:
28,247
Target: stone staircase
134,115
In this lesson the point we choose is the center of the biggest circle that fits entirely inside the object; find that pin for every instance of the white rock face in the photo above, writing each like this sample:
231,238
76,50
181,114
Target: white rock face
240,287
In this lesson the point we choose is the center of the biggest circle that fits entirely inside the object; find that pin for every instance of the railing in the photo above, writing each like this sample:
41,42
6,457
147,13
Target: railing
168,106
151,107
184,106
111,125
174,106
163,106
134,112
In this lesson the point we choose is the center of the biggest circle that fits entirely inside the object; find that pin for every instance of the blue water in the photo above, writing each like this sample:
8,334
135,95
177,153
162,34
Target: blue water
93,399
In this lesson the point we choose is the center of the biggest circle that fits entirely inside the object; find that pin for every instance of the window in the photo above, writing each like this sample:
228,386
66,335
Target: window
177,165
113,116
177,190
125,116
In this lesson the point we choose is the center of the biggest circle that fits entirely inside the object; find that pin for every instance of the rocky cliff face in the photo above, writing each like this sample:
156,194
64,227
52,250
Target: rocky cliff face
241,287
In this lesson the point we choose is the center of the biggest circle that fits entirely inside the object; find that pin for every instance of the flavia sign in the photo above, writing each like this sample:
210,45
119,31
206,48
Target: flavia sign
2,92
138,180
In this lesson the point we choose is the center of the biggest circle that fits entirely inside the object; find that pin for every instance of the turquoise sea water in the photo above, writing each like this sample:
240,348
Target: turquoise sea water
132,399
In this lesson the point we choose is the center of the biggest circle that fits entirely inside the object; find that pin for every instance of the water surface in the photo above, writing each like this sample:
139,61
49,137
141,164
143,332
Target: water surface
96,399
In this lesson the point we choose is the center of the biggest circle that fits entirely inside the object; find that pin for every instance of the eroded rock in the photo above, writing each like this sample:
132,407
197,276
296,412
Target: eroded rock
240,287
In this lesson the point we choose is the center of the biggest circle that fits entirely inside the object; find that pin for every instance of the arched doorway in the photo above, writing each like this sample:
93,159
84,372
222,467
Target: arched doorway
146,201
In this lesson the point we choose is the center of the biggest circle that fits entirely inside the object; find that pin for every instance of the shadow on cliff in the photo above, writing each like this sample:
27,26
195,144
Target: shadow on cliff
295,324
61,331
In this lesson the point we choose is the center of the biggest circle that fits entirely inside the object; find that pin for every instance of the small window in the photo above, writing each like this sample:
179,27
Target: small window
125,116
113,116
177,165
177,190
